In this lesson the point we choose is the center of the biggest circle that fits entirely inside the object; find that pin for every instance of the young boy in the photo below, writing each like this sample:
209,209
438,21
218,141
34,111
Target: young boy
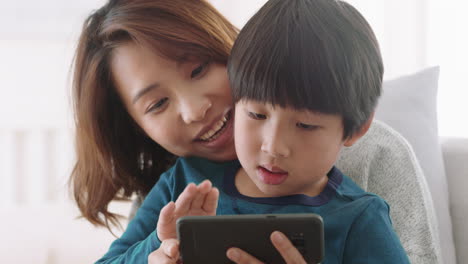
306,76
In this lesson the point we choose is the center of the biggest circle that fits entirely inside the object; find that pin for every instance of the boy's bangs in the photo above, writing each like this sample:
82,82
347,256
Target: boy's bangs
302,55
283,73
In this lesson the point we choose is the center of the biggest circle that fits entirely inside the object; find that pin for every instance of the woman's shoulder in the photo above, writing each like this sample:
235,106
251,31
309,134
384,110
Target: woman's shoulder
196,168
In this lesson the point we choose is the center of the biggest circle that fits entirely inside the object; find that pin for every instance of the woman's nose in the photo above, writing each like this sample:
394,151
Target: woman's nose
195,110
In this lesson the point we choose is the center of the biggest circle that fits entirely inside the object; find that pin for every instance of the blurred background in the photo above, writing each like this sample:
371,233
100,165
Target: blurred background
38,221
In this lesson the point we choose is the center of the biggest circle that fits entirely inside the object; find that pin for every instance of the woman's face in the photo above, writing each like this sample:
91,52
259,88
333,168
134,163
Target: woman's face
185,107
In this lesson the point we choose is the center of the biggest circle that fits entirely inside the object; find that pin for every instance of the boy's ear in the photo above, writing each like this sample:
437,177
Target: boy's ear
361,132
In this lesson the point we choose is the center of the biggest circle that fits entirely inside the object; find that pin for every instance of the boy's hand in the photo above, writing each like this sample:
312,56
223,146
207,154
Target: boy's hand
194,200
167,253
284,246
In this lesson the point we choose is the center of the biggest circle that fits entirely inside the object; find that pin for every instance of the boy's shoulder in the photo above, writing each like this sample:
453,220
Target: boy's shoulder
352,192
351,202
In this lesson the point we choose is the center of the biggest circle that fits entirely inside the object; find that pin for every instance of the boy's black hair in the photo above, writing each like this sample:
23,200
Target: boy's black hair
318,55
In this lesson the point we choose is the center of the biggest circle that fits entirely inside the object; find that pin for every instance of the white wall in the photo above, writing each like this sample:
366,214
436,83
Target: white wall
38,219
447,44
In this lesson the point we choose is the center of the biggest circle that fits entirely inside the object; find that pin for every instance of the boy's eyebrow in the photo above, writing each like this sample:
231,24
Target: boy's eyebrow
144,91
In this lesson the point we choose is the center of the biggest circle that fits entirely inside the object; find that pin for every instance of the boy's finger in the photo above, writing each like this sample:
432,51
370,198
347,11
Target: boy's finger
241,257
203,189
167,213
287,250
211,202
184,202
166,221
171,248
205,186
197,202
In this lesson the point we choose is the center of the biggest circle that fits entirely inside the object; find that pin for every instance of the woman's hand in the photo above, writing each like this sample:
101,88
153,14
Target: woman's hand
167,253
284,246
194,200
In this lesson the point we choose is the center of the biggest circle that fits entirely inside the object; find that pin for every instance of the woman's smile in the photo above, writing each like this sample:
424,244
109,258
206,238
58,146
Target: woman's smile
218,134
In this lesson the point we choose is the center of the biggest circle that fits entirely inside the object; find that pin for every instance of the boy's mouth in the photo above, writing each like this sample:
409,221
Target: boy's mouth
272,175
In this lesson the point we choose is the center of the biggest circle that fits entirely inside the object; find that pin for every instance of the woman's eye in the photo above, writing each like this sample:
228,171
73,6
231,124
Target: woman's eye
197,71
157,105
256,116
306,126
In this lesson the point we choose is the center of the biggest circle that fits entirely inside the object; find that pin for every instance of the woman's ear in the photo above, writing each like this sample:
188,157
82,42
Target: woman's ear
361,132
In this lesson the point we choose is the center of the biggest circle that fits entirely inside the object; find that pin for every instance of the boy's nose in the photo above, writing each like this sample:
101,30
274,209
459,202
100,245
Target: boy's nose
276,147
194,110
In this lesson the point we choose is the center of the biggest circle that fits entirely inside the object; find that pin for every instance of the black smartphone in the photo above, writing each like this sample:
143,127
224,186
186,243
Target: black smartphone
205,239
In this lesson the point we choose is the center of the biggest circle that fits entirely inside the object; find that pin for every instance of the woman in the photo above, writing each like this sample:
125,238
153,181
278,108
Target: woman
149,84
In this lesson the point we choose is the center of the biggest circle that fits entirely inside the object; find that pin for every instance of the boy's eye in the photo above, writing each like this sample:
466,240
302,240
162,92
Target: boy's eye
306,126
197,71
256,116
157,105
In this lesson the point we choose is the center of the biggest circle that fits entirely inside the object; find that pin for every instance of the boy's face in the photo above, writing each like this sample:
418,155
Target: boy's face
284,151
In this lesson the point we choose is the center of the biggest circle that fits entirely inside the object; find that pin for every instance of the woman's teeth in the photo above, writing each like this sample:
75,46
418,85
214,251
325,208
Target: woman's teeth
212,133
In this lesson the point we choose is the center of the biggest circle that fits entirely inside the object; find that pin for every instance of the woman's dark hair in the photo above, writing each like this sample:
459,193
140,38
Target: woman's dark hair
115,159
317,55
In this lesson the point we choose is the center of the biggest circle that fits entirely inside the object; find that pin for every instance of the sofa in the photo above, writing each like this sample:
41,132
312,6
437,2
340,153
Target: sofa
409,105
455,156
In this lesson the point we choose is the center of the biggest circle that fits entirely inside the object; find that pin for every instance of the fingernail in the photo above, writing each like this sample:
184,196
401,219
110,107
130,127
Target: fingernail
233,254
207,182
278,236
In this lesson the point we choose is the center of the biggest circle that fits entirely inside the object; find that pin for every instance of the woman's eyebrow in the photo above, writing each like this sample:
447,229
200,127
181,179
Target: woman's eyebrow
144,91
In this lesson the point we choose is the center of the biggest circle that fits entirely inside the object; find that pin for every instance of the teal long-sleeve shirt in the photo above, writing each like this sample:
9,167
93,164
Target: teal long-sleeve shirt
357,225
